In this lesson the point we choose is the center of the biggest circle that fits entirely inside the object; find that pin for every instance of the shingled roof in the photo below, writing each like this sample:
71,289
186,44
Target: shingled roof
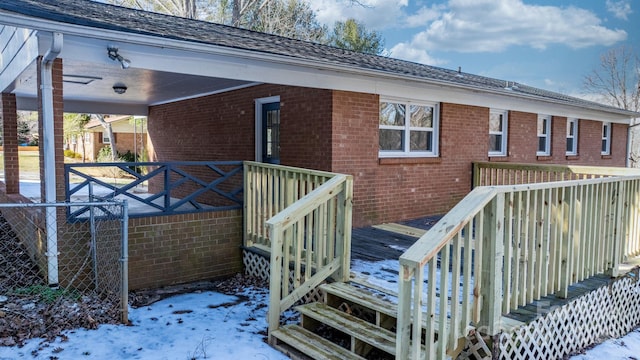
109,17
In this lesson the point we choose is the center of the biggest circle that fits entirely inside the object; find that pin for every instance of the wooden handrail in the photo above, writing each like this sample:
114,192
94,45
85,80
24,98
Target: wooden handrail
508,246
310,241
270,189
497,173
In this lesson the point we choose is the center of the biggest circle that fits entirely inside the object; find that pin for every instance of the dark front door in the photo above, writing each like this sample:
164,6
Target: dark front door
271,133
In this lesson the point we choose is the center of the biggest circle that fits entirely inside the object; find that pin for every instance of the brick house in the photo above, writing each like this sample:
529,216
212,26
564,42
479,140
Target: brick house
129,133
407,132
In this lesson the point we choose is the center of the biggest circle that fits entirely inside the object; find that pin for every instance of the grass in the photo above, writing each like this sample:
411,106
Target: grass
28,160
30,167
47,294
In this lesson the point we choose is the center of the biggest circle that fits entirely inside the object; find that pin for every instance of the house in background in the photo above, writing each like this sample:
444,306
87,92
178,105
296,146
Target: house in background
129,132
407,134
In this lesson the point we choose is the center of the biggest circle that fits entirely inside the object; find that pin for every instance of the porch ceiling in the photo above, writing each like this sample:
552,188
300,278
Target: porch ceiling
88,87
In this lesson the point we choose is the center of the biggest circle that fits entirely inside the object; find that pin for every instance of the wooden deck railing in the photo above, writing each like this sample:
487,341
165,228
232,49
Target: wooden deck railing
310,242
269,189
508,246
496,173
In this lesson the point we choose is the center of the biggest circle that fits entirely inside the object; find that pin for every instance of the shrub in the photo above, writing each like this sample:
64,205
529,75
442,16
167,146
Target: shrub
72,154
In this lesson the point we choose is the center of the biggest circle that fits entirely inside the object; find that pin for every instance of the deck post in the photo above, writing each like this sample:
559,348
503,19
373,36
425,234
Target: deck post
492,253
275,280
343,229
618,230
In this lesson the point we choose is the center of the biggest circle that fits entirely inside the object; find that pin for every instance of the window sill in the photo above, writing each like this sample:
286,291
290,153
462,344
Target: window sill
606,157
573,157
498,158
544,157
409,160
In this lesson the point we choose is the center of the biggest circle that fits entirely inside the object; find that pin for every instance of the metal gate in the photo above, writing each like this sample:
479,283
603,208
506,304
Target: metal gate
57,275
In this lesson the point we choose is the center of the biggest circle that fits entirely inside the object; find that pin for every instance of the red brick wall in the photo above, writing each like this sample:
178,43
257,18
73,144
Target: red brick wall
166,250
523,142
9,117
385,189
222,126
58,136
395,189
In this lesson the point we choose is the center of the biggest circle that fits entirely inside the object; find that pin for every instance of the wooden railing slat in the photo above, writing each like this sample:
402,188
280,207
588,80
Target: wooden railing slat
529,240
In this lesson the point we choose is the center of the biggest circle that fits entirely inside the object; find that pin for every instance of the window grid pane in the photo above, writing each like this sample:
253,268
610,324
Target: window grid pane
407,129
391,140
421,141
495,143
421,116
392,114
572,134
497,132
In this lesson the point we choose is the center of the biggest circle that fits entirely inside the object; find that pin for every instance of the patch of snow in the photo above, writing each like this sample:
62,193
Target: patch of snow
206,325
624,348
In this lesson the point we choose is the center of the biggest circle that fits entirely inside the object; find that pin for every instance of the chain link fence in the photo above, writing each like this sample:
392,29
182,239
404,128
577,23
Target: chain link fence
57,275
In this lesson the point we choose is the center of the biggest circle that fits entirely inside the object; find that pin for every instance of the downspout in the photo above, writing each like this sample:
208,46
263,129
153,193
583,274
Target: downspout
634,123
48,135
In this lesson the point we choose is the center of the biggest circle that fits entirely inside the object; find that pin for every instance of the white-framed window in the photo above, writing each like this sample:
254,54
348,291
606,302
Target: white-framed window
105,138
606,138
408,129
87,136
572,136
544,135
498,130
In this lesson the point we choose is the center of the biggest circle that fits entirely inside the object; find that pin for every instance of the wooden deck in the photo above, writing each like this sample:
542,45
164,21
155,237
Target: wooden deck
389,241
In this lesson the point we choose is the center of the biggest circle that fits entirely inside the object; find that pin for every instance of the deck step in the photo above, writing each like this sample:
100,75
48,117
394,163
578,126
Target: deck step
356,295
356,328
312,345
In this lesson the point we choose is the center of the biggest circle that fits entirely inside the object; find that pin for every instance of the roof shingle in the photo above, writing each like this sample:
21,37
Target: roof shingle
110,17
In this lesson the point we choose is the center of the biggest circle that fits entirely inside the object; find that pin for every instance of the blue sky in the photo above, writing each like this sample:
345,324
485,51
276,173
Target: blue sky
542,43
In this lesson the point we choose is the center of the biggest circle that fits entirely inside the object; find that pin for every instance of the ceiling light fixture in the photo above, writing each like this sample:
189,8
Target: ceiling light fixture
119,88
112,52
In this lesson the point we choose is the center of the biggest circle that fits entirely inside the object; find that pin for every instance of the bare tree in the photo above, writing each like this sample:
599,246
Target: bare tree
107,126
617,82
183,8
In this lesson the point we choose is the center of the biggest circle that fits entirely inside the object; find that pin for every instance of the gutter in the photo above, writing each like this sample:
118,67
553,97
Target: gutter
49,149
190,45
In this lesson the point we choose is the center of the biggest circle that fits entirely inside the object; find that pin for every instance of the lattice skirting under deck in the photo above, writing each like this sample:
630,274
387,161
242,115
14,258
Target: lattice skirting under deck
608,312
257,265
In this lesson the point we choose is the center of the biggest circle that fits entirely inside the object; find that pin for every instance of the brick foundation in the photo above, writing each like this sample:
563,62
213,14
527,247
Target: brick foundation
165,250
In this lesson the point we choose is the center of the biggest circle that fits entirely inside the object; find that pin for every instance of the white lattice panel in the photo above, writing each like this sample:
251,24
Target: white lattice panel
258,266
475,348
610,311
255,265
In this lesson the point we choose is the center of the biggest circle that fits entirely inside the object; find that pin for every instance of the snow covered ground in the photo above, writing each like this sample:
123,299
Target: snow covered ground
211,325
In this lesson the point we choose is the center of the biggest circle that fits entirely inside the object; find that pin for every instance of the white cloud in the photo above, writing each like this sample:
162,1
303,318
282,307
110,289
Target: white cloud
407,52
495,25
620,9
374,14
424,16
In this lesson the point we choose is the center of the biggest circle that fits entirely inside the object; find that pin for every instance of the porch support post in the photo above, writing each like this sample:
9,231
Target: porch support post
10,144
51,136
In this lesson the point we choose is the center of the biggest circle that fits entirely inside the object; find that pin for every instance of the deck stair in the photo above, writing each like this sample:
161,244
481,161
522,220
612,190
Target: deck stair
357,323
